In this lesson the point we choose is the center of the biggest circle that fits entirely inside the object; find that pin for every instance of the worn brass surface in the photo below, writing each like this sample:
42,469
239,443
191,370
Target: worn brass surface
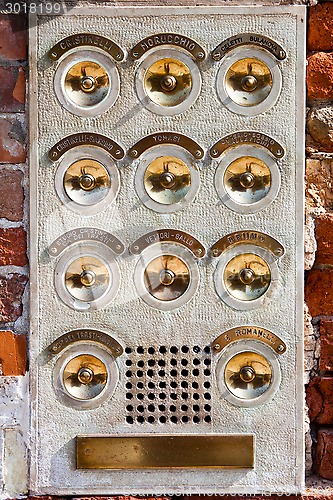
248,374
170,235
87,278
86,39
167,277
86,138
249,332
167,180
247,276
87,335
84,377
170,39
247,237
82,234
86,181
248,39
247,137
247,180
167,138
87,83
248,81
168,82
165,452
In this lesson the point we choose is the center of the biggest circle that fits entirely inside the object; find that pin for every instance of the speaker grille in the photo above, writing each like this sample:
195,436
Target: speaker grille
168,384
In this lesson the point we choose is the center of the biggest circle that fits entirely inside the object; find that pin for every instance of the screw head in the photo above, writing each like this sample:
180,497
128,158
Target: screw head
198,154
134,153
217,347
200,55
216,56
280,348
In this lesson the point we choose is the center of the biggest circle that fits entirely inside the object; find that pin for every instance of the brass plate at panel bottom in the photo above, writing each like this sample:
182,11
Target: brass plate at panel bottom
165,452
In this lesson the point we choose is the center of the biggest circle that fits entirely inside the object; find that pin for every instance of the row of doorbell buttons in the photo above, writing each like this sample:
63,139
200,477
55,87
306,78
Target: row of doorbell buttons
167,80
86,375
167,179
166,276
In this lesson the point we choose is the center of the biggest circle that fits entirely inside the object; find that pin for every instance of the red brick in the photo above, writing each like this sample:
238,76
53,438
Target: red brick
11,195
319,292
323,464
11,291
13,353
326,345
324,237
13,37
12,141
319,76
13,247
320,28
12,95
319,396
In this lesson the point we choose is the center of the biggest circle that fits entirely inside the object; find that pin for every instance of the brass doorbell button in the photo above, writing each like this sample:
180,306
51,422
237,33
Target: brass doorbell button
85,375
167,179
86,82
166,276
86,276
247,178
167,81
87,180
248,373
246,276
249,80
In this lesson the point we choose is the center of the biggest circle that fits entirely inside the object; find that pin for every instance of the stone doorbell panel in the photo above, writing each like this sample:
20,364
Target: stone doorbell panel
166,250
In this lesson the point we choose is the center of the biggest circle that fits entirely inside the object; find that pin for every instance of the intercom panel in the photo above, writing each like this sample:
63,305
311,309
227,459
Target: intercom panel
166,249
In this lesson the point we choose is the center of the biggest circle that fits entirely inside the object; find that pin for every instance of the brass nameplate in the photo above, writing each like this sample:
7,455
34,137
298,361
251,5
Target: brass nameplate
168,235
83,234
248,39
86,39
165,452
249,332
167,138
84,336
247,237
181,41
86,139
247,137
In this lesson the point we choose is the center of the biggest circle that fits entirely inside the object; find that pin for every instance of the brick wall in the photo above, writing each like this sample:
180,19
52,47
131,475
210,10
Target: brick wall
319,203
318,245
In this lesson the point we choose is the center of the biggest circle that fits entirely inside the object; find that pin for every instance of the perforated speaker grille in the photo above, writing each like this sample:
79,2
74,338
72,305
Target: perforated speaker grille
168,384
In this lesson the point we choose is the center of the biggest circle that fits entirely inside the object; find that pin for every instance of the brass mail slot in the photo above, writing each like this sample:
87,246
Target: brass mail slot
165,452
